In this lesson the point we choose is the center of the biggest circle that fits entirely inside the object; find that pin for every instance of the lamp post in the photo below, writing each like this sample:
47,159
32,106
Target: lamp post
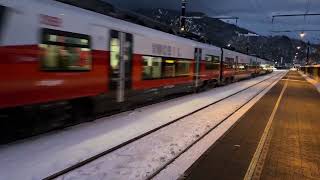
183,15
308,51
247,48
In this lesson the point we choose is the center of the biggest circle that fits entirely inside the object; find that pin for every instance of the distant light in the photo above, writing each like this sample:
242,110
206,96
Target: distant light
302,34
170,61
297,53
229,45
298,47
61,14
182,29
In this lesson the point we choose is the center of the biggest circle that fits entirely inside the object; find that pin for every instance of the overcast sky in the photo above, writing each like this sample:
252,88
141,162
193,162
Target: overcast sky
254,15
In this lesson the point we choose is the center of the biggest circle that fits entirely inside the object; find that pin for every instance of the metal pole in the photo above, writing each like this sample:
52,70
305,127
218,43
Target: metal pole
292,15
308,51
183,15
247,44
121,83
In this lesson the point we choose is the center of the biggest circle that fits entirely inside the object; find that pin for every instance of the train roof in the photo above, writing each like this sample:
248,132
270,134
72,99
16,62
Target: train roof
107,9
119,20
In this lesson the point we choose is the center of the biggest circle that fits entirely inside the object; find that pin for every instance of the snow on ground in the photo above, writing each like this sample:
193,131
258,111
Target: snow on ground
41,156
143,157
177,169
312,81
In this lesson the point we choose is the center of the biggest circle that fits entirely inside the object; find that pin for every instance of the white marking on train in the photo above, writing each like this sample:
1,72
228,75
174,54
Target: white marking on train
49,82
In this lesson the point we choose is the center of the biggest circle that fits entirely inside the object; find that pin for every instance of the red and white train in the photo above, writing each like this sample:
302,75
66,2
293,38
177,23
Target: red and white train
56,55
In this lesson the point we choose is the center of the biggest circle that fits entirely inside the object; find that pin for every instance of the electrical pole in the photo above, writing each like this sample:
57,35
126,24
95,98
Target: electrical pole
183,15
247,47
308,51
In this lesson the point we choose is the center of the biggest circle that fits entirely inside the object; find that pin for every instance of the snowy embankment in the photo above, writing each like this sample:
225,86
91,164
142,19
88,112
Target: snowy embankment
142,158
41,156
177,168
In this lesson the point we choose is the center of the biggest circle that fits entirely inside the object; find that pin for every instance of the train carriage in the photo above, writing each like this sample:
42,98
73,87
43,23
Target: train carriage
238,66
210,65
229,66
94,49
243,69
60,62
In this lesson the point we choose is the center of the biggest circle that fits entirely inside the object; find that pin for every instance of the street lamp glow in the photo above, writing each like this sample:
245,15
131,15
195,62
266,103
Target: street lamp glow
302,34
297,53
229,45
298,47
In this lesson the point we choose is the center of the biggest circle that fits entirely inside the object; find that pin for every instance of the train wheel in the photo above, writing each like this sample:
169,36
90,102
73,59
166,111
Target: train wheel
7,125
227,81
15,124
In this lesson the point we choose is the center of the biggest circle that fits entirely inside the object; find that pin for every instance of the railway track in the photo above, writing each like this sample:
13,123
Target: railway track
209,131
93,158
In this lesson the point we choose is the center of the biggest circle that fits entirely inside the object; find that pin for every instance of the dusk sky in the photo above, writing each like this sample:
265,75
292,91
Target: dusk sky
254,15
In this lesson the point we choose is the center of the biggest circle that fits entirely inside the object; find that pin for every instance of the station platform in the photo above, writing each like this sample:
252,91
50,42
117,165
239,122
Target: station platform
278,138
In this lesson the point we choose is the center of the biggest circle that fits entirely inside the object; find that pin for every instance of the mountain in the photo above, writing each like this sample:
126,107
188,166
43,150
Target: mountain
279,48
207,29
215,30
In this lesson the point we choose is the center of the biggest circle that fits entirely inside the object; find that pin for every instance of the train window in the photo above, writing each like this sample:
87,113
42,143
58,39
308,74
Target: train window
152,67
229,63
2,11
242,67
115,53
169,68
158,67
65,51
183,68
212,62
253,63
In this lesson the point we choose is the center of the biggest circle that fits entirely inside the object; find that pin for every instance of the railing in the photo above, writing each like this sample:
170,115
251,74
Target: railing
312,71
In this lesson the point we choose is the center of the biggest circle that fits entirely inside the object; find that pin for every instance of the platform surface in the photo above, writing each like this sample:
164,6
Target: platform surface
292,150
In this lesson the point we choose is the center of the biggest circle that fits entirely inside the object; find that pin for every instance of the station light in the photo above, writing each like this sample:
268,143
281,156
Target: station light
302,34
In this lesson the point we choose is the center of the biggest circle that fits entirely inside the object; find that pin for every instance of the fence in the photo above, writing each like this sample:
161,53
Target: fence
312,71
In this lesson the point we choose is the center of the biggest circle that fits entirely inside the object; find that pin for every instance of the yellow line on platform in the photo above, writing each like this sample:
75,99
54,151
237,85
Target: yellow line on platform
293,80
262,142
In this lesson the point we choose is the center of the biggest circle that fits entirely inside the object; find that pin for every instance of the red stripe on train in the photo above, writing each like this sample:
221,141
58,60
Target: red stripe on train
23,82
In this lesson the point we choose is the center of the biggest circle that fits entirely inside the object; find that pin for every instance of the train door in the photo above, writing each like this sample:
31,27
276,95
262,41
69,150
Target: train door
237,64
120,64
222,68
197,58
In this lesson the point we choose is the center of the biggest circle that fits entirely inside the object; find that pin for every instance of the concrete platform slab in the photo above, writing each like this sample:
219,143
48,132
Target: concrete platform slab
293,146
